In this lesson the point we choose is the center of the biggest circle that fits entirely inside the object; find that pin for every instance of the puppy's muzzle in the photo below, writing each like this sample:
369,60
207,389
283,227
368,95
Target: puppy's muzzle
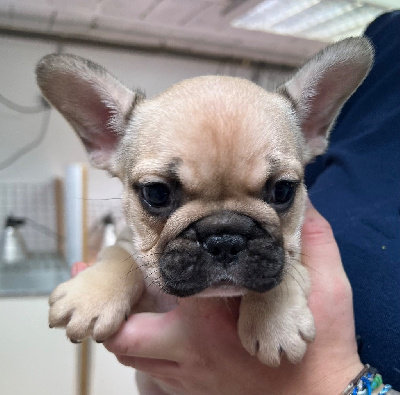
226,248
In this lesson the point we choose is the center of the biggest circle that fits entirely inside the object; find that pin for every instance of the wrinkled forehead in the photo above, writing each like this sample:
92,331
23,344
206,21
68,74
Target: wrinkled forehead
220,135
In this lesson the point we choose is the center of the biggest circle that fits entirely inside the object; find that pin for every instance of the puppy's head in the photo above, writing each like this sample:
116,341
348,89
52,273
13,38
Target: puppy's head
213,167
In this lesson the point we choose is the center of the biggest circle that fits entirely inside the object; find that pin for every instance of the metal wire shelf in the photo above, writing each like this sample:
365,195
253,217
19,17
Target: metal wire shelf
35,276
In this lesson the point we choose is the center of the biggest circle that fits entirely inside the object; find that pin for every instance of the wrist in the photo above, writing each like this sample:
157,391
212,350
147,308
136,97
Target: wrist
335,380
329,375
315,377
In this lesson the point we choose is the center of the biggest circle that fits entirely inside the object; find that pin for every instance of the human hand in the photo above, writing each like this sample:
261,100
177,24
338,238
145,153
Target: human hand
195,349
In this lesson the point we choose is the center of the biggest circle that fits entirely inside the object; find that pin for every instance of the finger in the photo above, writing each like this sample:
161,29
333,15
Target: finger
77,268
159,367
329,283
150,335
316,228
319,247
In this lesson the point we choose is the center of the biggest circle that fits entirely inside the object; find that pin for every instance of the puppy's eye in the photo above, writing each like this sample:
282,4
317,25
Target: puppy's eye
156,195
282,194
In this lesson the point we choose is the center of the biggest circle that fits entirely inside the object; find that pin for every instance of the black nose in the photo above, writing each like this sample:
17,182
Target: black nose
224,247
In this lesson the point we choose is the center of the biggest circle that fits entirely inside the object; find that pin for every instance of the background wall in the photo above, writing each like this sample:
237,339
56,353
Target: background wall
151,72
34,359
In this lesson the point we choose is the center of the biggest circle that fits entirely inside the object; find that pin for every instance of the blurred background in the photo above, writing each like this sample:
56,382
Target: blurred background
54,208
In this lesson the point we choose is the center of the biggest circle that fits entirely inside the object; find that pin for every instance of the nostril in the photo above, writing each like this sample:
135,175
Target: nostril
225,244
238,246
213,249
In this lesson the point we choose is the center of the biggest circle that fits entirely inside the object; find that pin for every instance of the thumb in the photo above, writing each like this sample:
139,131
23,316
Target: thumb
168,335
77,268
150,335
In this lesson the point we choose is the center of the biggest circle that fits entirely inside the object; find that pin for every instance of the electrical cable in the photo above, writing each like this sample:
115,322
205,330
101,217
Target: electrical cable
44,107
23,109
36,142
43,229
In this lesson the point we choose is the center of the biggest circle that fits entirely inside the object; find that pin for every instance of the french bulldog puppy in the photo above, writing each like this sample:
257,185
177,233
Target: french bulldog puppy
213,172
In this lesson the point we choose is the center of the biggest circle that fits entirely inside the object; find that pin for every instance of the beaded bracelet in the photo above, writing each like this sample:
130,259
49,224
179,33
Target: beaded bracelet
365,382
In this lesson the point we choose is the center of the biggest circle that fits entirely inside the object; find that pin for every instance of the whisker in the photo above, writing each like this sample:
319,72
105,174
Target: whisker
287,288
159,284
153,282
162,288
150,274
299,252
225,299
295,279
115,198
304,264
133,268
298,272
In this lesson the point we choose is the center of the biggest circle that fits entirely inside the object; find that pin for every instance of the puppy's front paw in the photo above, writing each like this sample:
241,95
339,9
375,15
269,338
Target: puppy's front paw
90,305
267,330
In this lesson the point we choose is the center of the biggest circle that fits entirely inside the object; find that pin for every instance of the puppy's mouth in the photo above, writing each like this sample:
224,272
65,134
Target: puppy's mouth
223,289
225,254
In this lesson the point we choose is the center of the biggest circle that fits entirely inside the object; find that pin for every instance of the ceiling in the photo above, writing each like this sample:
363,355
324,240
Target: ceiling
193,26
326,20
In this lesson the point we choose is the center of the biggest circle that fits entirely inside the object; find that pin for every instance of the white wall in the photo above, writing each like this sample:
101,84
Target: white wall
33,359
108,376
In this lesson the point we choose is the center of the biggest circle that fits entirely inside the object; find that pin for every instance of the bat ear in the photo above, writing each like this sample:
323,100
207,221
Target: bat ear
94,102
321,87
